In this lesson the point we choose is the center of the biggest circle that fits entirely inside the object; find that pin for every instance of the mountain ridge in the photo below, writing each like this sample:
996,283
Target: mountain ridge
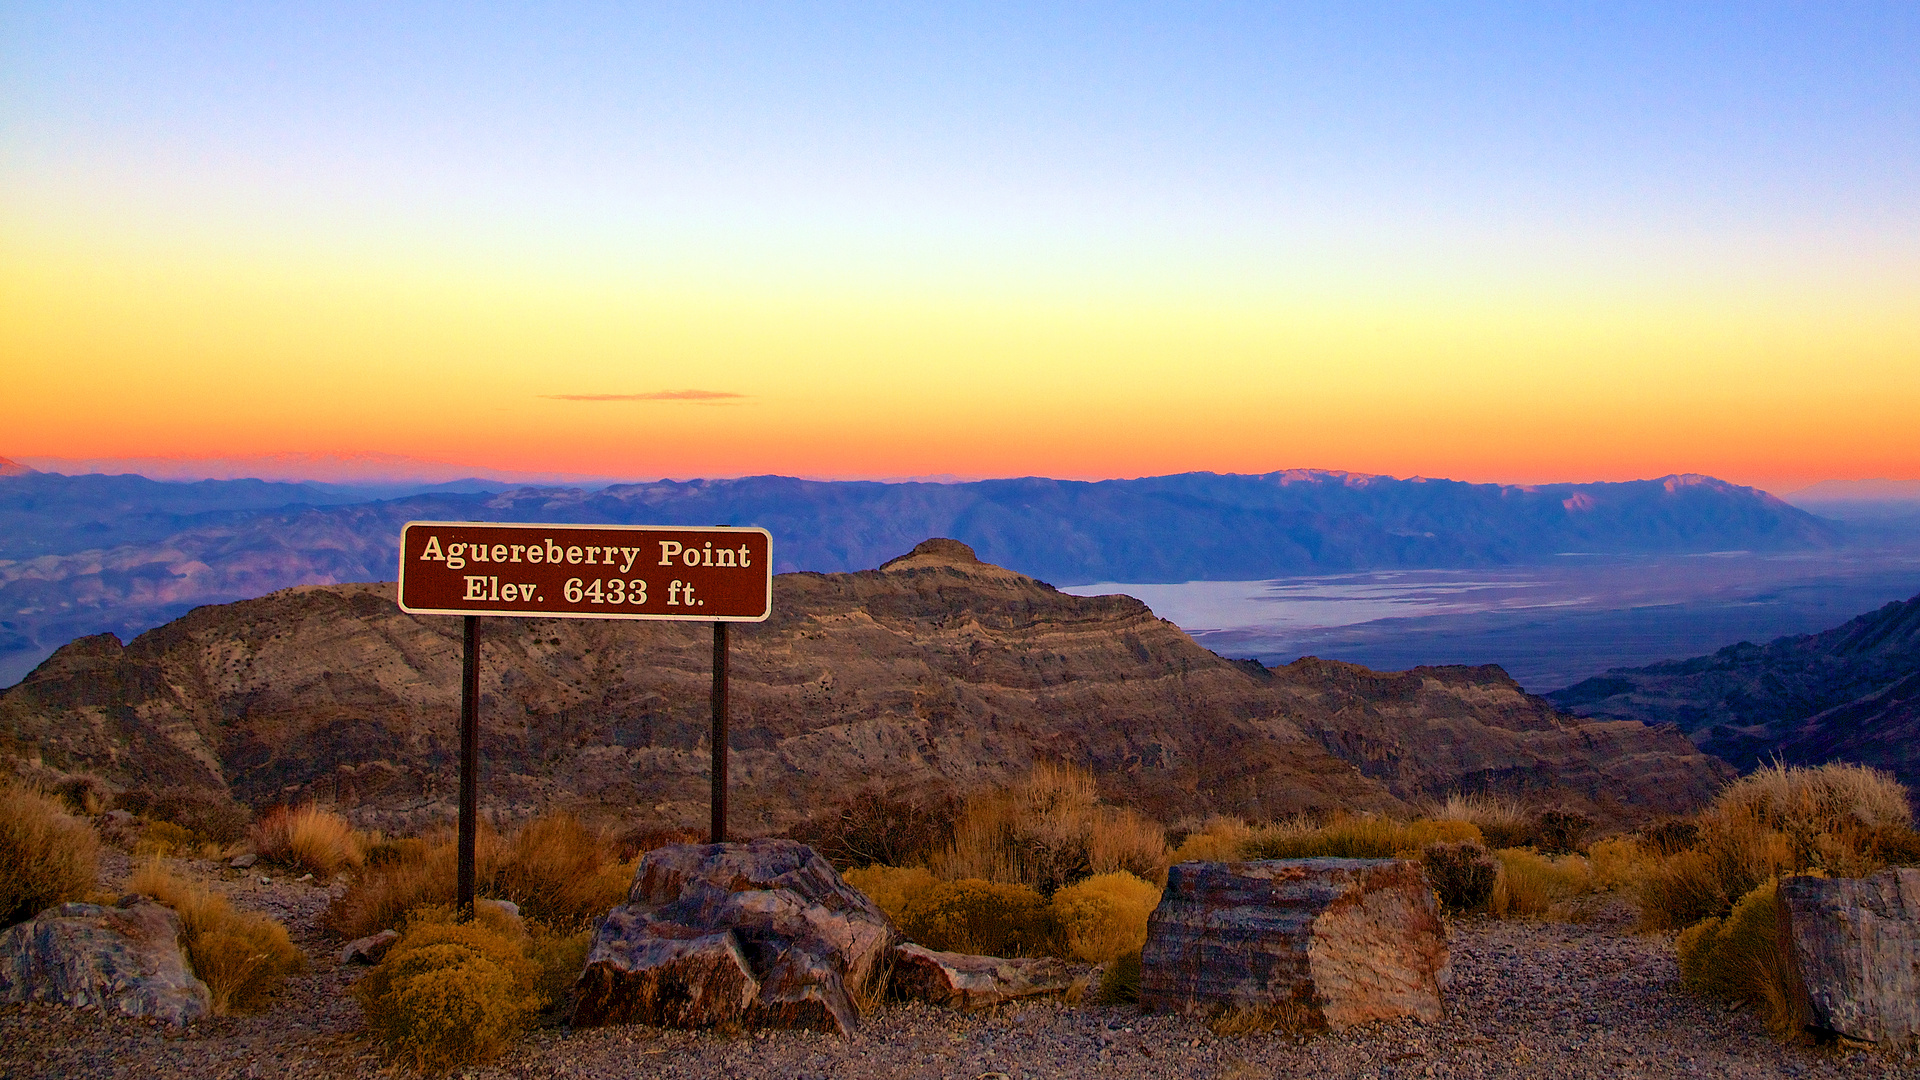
936,675
81,555
1849,693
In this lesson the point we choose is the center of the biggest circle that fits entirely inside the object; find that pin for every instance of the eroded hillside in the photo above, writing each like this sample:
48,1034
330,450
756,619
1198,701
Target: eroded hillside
936,673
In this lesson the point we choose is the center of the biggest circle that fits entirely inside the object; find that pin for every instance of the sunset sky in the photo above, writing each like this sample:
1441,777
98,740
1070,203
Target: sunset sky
1540,242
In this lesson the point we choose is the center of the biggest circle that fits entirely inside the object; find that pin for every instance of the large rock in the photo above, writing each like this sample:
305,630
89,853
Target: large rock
964,981
1856,942
118,959
762,934
1300,943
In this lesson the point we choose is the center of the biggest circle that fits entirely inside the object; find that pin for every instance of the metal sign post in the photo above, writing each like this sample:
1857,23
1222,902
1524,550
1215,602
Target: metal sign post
718,830
550,571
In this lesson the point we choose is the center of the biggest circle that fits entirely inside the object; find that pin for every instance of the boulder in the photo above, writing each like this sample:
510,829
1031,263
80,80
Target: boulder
1856,944
761,934
963,981
370,949
119,959
1304,944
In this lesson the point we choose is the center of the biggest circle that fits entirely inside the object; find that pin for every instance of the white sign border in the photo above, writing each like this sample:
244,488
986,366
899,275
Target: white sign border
400,586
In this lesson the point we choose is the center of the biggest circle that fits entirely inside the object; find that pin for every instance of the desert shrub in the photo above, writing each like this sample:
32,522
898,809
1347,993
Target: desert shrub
163,839
47,857
1048,831
243,957
1891,845
452,993
988,918
561,957
385,852
1503,822
1560,831
380,896
1218,840
1120,982
1462,874
1680,890
308,837
211,814
1357,838
83,794
1617,863
1531,883
1740,958
890,887
1105,916
874,829
559,872
630,844
1798,800
1669,836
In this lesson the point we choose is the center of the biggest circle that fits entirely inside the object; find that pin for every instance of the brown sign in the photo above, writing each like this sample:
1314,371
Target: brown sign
721,574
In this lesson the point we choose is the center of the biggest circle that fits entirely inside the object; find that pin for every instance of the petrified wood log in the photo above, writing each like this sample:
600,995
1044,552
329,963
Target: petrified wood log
119,959
1297,943
763,934
964,981
1856,943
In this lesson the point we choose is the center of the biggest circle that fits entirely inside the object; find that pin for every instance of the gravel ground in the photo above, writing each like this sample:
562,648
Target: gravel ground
1591,1001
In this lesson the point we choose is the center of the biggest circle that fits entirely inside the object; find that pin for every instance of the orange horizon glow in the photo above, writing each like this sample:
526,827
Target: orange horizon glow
132,352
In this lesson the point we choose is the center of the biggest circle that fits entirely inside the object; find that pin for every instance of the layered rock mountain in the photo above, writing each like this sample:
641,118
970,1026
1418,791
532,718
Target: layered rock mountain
935,674
1851,693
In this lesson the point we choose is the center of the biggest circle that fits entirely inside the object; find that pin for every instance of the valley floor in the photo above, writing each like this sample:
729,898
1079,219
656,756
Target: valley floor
1590,1000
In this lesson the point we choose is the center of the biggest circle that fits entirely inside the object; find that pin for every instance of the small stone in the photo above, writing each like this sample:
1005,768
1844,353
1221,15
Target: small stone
370,949
242,862
964,981
305,879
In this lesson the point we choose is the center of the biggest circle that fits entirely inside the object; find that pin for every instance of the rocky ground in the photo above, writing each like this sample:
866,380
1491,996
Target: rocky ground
1590,1000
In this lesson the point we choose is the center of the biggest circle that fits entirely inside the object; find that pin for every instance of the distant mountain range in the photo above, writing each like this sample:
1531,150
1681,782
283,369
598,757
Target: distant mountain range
85,554
1851,693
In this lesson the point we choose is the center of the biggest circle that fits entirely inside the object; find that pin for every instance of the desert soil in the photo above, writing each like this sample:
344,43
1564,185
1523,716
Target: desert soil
1528,999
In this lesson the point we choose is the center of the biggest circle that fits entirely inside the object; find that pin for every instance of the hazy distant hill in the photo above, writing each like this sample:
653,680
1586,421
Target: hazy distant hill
1851,693
88,554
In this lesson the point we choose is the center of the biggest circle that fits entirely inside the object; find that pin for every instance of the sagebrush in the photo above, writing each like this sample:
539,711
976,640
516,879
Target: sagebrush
47,856
557,870
308,837
243,957
451,993
1048,831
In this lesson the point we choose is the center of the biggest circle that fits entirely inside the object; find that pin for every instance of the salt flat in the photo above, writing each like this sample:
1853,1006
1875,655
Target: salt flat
1549,624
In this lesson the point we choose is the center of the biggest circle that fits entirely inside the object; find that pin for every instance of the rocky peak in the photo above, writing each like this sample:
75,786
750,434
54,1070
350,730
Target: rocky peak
937,674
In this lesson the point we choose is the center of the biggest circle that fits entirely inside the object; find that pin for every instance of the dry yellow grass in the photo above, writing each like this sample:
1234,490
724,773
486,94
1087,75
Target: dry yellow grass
1531,884
1050,830
1503,821
1740,958
1369,837
559,872
47,856
242,957
1105,916
309,837
1218,840
890,887
987,918
452,993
